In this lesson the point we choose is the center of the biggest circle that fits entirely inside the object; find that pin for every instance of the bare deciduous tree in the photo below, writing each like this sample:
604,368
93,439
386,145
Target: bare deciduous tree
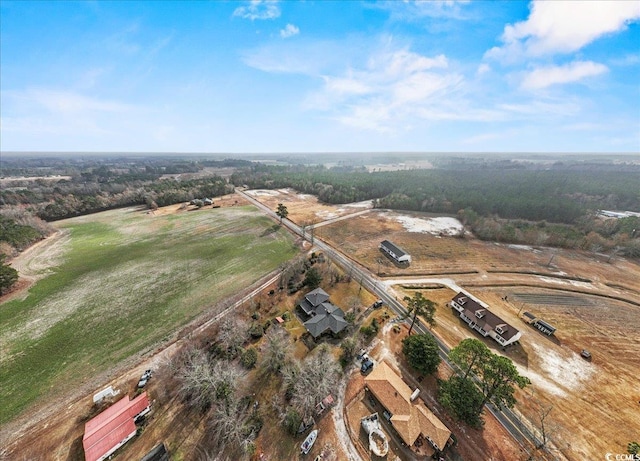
233,426
318,376
232,334
202,381
546,427
275,350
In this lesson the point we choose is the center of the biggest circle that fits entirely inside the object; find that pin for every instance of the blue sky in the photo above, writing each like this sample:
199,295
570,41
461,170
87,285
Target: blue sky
320,76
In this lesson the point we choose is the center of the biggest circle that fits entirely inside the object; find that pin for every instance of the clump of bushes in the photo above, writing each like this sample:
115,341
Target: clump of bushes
371,330
249,357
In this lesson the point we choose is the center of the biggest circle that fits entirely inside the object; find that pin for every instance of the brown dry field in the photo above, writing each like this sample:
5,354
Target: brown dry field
596,403
305,209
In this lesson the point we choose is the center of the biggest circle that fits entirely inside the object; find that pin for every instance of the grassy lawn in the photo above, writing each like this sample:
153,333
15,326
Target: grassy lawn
127,281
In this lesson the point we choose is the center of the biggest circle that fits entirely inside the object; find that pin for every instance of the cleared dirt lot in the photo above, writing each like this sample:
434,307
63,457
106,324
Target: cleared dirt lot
594,302
595,403
305,209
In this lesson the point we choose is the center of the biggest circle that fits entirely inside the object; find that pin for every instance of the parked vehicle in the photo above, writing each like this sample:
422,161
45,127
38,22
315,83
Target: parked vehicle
308,442
367,364
144,379
361,355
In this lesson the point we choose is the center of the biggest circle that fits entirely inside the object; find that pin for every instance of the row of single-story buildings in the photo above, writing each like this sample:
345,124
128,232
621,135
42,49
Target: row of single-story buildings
485,322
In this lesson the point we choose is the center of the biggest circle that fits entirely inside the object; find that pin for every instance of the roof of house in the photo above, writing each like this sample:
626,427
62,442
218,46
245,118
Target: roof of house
312,299
489,320
109,428
396,250
328,317
410,419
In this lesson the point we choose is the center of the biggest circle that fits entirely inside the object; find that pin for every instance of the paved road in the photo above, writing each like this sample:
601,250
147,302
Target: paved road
381,289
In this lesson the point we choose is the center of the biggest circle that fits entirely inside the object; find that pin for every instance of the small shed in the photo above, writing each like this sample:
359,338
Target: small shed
157,453
529,317
544,327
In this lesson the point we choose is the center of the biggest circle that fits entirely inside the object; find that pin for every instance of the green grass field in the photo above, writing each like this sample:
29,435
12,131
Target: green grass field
128,281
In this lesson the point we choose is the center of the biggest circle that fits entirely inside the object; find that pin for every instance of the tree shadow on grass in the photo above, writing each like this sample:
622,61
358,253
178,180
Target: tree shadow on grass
270,230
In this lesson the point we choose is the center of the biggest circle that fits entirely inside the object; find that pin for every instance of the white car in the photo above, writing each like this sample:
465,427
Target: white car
146,376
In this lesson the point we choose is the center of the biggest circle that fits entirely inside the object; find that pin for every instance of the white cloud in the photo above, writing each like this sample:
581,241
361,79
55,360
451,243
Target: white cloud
412,10
564,26
388,90
346,85
544,77
60,112
483,69
628,60
289,31
258,9
308,57
535,109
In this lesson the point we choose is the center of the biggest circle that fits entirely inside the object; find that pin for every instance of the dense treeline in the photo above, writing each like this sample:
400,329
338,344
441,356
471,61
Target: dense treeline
19,230
89,186
551,195
499,199
502,201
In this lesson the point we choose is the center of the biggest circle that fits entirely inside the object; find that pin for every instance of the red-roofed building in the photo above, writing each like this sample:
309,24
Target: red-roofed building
112,428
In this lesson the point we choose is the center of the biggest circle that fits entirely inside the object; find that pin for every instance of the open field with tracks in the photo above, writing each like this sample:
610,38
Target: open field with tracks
118,283
593,302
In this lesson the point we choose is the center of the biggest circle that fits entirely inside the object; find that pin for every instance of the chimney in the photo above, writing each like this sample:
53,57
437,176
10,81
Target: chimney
415,394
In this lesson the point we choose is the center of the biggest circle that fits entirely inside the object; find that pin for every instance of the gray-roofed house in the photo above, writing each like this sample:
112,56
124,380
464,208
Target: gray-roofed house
323,315
395,252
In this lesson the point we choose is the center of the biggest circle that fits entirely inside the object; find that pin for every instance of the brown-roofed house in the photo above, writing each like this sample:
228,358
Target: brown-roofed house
484,321
409,417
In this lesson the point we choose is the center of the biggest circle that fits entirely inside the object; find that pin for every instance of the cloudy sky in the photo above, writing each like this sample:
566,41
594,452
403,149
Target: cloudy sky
318,76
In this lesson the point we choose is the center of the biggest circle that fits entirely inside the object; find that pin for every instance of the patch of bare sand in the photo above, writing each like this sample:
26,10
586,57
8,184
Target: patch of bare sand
36,261
434,226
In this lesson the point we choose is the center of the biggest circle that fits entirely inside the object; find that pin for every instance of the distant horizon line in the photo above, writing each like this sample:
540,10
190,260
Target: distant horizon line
22,152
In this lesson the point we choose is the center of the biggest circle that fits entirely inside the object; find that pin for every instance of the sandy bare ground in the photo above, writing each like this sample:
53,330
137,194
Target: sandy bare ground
595,404
305,209
594,303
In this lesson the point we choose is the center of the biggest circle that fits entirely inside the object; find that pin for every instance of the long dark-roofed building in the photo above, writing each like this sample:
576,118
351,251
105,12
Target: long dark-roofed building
484,321
395,252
